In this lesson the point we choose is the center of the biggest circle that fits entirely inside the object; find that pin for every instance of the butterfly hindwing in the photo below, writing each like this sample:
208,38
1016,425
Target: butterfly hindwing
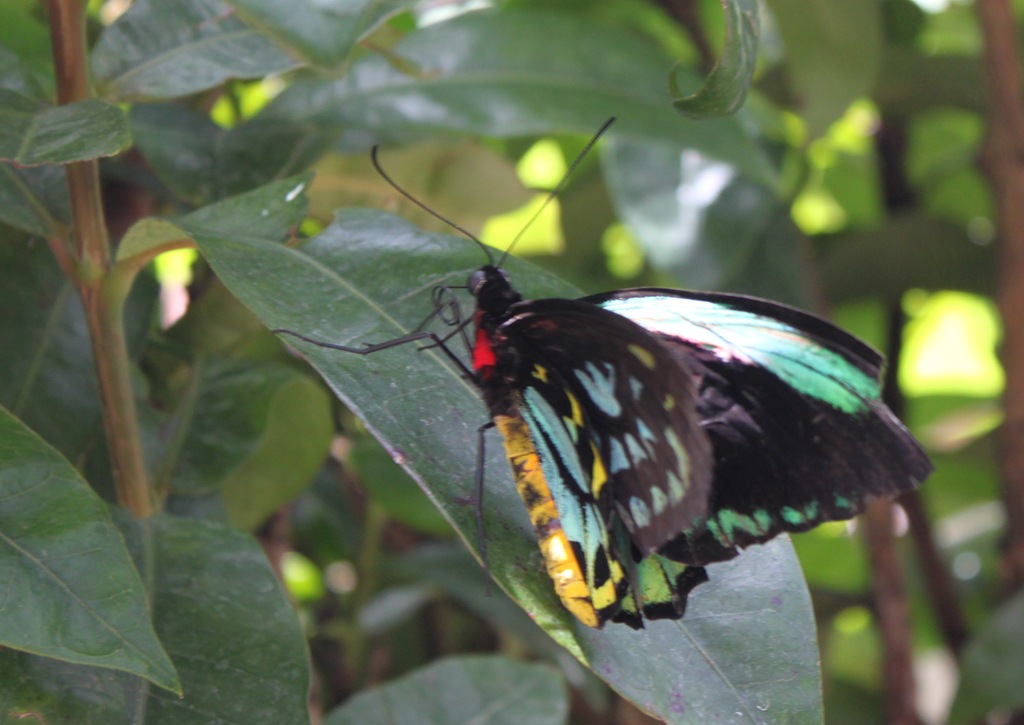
573,538
792,405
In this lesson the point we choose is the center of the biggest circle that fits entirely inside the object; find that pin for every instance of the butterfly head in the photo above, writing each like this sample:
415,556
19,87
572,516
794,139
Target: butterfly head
493,291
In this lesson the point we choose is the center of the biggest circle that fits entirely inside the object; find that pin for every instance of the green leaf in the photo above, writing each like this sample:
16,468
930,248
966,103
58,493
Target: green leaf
701,222
33,132
173,48
367,278
269,212
34,200
833,52
257,431
992,664
725,88
202,162
473,689
228,627
511,73
69,589
323,33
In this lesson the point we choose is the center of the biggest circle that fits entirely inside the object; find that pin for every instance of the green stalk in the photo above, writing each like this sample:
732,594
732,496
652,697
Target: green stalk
102,296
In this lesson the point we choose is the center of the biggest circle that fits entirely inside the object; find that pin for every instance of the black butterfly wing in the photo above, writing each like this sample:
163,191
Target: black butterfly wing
627,406
792,405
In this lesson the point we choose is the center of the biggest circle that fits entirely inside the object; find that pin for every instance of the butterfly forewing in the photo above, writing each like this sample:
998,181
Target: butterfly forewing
627,407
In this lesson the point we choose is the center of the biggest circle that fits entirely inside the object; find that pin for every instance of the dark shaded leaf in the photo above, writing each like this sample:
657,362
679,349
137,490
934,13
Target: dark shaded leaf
26,64
202,162
47,377
512,73
391,488
34,200
911,82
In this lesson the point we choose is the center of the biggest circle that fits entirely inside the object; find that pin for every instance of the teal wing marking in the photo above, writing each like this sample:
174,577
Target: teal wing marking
817,367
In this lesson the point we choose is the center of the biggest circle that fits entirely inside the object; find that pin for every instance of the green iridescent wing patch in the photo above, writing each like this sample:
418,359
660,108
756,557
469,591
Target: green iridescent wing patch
812,357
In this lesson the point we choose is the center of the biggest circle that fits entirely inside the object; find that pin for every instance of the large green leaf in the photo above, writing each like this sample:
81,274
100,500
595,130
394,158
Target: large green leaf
227,625
511,73
68,588
172,48
480,689
33,132
725,88
323,33
367,278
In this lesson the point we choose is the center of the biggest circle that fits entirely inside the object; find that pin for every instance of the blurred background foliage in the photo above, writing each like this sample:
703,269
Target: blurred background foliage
848,184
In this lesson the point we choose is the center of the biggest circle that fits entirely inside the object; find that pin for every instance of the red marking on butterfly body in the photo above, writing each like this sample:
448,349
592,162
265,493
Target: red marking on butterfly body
484,358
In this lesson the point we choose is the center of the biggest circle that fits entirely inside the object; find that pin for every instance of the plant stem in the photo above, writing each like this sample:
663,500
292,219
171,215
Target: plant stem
103,300
893,613
1003,157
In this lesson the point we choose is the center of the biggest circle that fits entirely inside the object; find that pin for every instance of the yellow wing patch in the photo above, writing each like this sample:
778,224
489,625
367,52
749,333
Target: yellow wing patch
643,355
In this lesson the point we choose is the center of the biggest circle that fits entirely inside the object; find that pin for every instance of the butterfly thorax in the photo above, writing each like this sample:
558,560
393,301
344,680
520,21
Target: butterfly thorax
494,298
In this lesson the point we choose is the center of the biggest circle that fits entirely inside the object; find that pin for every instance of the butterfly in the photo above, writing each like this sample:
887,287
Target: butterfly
652,432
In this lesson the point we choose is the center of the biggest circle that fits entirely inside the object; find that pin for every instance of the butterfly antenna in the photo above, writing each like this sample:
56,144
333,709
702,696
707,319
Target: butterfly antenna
394,185
558,188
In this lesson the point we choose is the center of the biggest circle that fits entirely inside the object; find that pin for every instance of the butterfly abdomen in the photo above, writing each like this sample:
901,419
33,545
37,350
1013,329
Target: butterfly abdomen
592,604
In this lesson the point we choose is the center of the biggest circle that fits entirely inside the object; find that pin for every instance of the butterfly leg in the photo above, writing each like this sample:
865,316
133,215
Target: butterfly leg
478,496
368,348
